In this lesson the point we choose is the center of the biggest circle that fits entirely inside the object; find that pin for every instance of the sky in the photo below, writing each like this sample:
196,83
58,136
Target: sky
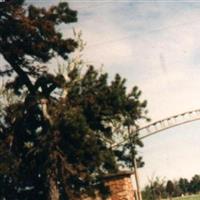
156,46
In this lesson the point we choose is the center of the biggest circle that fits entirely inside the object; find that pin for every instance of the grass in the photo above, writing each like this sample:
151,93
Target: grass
191,197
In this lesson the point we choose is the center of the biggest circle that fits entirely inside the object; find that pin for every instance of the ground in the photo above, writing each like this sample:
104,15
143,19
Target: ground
192,197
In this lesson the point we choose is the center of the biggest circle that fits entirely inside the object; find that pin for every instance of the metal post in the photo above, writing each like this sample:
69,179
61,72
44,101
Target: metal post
134,165
139,195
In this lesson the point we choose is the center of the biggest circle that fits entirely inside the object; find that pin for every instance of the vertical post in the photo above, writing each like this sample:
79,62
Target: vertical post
136,194
139,195
134,165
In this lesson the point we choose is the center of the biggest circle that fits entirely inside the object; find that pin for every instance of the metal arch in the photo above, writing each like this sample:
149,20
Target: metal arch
164,124
169,122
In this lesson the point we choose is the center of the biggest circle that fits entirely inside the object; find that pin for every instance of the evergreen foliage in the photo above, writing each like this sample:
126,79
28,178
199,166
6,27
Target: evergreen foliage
170,188
184,185
56,136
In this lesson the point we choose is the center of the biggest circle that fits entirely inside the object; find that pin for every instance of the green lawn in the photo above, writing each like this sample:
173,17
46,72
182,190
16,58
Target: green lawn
192,197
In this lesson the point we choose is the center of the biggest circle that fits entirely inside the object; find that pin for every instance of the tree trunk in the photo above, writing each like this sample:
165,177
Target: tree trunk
53,188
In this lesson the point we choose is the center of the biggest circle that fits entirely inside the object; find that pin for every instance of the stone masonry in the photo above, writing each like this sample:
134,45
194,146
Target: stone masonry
120,186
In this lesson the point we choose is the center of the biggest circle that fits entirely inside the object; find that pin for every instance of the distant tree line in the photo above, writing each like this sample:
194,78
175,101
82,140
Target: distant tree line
159,188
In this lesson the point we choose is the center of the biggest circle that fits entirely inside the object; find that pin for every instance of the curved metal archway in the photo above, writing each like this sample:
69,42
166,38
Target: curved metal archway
164,124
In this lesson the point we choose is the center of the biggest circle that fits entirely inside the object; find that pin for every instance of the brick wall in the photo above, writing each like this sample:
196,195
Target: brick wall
120,186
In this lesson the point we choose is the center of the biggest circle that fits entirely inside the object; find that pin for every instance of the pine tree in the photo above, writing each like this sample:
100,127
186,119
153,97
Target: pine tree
195,184
56,136
184,185
170,188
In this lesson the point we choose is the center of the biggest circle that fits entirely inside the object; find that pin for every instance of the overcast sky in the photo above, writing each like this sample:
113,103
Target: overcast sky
156,46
